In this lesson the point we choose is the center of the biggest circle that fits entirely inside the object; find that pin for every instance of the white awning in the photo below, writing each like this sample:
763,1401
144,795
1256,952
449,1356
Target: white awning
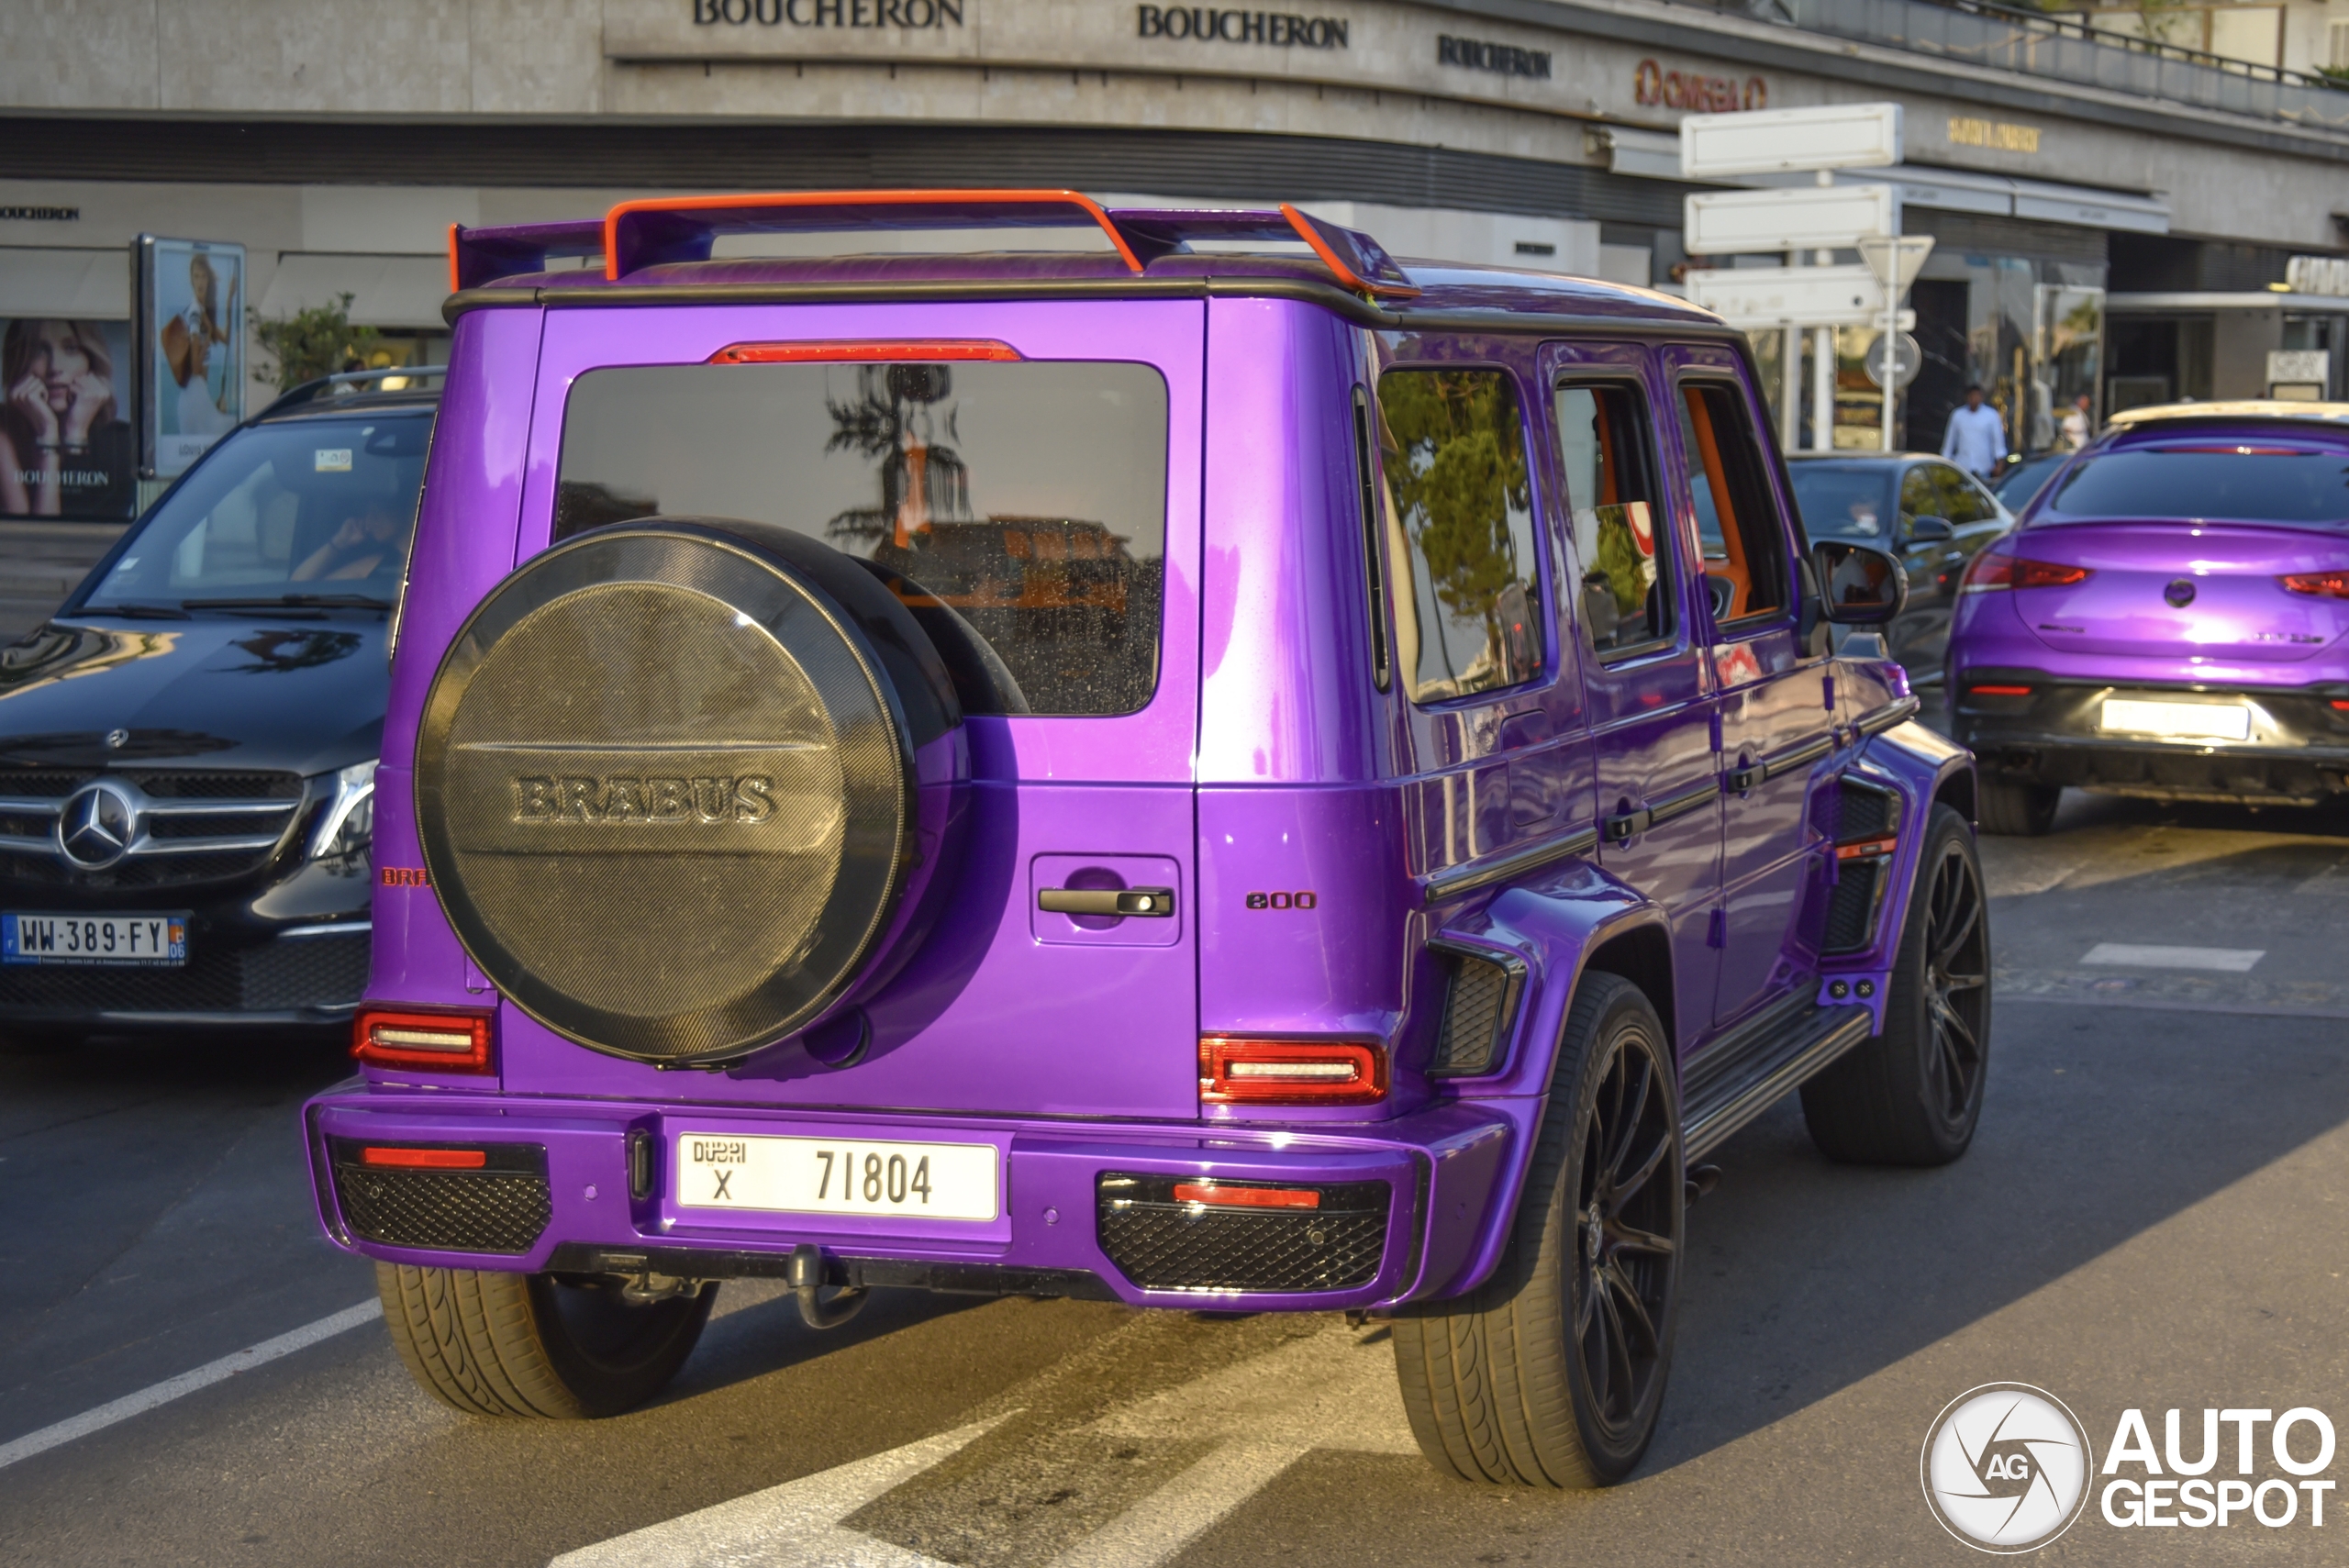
385,291
87,284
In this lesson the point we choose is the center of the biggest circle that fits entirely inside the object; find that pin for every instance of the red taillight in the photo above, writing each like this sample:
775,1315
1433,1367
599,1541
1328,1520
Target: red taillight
425,1159
438,1042
932,350
1997,690
1994,570
1220,1197
1290,1072
2324,584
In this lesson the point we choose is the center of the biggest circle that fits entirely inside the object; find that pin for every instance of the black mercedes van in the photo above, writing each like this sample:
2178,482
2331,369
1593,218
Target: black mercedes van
187,747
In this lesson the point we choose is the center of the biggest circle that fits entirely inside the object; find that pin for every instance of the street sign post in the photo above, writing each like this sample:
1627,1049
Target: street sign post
1817,218
1772,141
1896,261
1759,298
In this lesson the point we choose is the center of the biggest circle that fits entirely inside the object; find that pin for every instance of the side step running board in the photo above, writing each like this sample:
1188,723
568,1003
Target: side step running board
1725,1093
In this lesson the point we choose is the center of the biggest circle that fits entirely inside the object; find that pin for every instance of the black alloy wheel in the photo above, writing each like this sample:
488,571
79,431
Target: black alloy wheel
1626,1222
1956,980
1551,1372
1913,1095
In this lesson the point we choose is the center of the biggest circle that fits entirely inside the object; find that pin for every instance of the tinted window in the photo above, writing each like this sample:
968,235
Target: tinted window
1841,501
1627,571
1745,552
304,506
1460,519
2241,481
1030,497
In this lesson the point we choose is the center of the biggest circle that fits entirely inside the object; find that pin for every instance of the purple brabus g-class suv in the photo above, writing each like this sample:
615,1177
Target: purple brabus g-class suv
1217,772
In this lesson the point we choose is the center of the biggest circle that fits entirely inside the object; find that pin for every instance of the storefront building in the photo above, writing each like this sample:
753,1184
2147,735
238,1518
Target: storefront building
338,142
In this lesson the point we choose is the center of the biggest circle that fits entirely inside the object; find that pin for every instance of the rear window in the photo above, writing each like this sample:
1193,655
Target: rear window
301,507
1837,501
1031,497
2234,481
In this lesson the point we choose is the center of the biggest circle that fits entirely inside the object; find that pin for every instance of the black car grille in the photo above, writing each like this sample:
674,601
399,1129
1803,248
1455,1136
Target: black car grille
28,831
282,975
504,1208
1160,1244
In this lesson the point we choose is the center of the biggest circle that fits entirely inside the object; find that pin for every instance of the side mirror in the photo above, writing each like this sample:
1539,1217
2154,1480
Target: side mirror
1930,530
1863,585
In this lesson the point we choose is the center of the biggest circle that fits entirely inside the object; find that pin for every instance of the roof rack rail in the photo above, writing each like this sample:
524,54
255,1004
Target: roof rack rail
479,257
639,234
680,228
348,381
1360,263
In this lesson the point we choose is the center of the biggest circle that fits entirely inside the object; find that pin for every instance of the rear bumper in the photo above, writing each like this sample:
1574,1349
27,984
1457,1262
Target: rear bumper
2298,751
1443,1170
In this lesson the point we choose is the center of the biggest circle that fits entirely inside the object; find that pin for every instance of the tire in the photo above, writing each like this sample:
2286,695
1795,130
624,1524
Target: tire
2017,810
1913,1095
508,1344
1538,1377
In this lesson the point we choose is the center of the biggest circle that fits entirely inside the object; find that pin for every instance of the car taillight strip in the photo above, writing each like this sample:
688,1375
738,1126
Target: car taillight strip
2323,584
436,1042
1291,1072
425,1159
1997,690
1994,570
1220,1197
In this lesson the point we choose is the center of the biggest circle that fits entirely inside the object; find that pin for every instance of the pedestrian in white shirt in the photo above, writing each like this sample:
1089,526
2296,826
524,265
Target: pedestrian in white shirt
1976,440
2079,423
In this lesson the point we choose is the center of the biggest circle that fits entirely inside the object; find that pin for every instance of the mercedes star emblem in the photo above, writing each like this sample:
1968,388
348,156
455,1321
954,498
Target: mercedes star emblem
117,739
97,825
2180,593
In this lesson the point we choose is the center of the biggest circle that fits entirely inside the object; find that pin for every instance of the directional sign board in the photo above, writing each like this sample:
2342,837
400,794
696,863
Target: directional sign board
1770,142
1821,218
1755,298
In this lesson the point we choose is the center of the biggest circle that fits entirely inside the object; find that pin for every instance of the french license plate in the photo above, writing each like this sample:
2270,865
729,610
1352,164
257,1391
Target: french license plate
2189,720
836,1175
145,941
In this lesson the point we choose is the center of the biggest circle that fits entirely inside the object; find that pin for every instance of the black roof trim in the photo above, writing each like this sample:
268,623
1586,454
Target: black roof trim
1352,308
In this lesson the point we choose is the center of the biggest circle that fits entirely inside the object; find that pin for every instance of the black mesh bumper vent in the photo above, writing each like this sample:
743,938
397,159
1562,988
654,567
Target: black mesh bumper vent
502,1208
1479,1005
1160,1244
285,974
1854,816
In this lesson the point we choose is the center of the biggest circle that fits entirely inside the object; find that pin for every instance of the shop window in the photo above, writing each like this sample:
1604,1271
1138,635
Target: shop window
1459,520
1626,603
1737,519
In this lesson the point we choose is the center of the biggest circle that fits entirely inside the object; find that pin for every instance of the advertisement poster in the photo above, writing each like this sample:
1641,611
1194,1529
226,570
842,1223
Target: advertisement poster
191,348
66,449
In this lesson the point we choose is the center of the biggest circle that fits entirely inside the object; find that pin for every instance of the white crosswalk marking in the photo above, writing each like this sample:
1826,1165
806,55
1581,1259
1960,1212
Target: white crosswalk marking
2136,955
795,1524
1159,1527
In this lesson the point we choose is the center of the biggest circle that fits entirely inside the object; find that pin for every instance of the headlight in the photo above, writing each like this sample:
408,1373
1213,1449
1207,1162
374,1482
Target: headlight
348,827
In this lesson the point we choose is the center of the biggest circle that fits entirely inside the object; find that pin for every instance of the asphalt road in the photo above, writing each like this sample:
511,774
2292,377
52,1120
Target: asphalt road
2150,1217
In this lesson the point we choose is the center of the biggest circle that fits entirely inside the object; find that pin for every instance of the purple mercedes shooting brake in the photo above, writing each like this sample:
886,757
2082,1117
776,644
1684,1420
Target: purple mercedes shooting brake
1221,770
2167,621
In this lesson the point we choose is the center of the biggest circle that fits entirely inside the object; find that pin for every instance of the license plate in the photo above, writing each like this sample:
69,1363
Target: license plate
144,941
2195,720
836,1175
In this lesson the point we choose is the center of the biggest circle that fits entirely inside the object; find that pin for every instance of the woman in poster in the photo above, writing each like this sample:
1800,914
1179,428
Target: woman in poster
189,337
63,451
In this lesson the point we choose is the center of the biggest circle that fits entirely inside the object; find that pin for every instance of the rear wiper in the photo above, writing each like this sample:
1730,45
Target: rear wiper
133,611
293,601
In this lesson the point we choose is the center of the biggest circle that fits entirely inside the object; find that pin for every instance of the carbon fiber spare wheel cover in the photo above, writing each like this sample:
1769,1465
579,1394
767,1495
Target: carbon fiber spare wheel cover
665,783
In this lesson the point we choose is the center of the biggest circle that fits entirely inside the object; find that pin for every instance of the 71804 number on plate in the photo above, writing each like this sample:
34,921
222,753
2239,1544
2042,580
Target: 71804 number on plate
836,1175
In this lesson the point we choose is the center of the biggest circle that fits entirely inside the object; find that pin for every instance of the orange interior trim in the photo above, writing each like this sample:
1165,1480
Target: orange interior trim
785,199
1741,581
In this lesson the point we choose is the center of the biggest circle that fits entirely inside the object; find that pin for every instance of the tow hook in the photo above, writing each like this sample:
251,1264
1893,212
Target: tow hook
643,1290
1702,1179
808,1278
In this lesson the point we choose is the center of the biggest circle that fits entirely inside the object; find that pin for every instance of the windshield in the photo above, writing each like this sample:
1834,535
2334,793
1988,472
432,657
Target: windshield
1844,500
1029,498
309,510
2233,480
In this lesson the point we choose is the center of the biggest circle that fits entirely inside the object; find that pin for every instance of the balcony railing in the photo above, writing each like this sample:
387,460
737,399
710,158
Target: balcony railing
2067,50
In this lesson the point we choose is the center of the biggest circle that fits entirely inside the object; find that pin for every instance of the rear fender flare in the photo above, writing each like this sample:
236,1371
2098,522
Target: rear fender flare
1554,925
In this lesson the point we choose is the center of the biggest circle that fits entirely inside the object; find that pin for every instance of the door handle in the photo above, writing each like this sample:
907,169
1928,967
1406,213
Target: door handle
1157,903
1622,829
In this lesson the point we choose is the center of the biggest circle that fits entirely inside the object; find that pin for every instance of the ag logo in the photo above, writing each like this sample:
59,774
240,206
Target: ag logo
2006,1467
